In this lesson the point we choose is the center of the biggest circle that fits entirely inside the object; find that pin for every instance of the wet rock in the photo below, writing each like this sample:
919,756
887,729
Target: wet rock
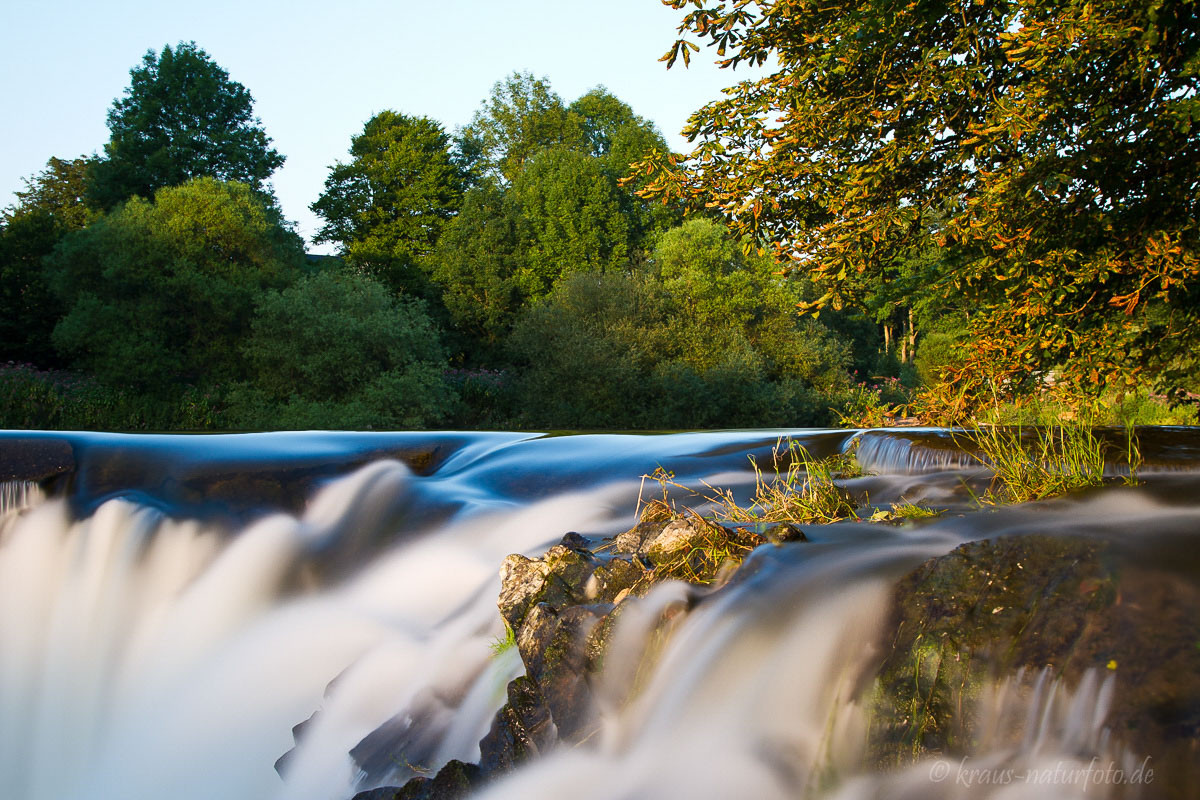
634,540
1067,604
534,636
558,578
564,675
520,730
454,781
782,532
676,537
609,580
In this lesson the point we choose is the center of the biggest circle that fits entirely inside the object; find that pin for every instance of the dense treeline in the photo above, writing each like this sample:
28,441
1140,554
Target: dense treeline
511,273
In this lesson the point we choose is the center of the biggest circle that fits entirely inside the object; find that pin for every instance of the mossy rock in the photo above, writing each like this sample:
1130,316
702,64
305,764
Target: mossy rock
520,730
455,781
1066,604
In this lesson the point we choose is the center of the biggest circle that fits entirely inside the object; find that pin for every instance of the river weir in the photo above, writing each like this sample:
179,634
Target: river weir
312,616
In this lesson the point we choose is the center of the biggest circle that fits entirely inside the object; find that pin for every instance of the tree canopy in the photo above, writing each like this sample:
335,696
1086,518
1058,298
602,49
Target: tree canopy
181,117
50,206
387,206
549,202
59,190
159,294
705,337
1048,150
521,116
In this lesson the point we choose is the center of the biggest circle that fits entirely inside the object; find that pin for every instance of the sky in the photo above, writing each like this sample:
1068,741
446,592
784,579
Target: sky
319,70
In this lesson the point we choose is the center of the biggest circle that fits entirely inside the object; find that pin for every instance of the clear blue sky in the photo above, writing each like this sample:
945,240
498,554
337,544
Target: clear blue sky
319,70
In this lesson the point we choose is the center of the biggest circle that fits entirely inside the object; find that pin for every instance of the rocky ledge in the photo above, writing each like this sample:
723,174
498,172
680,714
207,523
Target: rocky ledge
1065,604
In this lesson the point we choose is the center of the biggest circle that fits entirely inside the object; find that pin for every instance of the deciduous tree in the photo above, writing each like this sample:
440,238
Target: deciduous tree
386,207
159,294
181,117
338,350
1056,141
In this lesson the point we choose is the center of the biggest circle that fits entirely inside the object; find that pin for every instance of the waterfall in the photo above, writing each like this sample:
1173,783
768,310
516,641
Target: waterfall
19,495
151,646
141,654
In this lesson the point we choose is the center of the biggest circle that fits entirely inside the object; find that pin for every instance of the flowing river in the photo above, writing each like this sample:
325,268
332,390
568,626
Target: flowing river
171,607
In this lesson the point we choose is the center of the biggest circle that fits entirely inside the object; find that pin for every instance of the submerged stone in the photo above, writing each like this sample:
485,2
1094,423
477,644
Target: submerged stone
1066,605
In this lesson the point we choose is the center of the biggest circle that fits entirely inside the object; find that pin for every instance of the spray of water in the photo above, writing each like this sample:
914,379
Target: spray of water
141,655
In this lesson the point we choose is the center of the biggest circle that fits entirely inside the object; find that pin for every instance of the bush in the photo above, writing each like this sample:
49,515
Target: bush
158,295
336,350
634,351
34,399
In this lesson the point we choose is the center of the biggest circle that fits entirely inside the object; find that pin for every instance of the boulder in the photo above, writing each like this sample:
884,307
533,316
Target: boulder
1066,604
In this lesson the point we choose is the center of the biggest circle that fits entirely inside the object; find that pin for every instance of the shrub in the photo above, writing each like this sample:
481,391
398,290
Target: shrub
336,350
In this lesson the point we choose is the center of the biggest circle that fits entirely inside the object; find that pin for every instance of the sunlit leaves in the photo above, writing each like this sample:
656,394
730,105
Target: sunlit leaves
1047,149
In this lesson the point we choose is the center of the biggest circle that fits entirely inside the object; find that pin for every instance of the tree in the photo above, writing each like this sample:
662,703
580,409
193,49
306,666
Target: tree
1054,142
61,191
337,350
182,117
522,116
479,263
159,294
508,247
50,206
573,213
386,208
618,138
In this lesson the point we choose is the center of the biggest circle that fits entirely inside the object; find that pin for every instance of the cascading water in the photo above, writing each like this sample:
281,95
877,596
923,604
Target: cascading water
151,643
19,495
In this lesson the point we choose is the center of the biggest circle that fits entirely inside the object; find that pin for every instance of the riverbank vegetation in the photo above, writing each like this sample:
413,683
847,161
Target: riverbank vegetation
552,265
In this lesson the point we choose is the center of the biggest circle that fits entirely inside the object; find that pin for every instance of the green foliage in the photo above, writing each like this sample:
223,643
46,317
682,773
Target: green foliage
522,116
59,190
387,206
500,646
506,248
1053,461
55,400
1123,410
336,350
50,206
28,310
159,295
573,218
478,263
874,405
804,490
1046,153
940,351
547,202
799,489
706,340
618,138
181,117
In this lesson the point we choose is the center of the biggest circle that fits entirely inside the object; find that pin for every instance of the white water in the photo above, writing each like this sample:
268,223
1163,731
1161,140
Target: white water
141,656
19,495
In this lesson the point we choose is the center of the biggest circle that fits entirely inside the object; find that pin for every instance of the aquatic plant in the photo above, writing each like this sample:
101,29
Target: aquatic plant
1056,460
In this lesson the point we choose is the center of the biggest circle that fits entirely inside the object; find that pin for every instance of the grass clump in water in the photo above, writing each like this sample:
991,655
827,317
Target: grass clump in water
904,511
1056,460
